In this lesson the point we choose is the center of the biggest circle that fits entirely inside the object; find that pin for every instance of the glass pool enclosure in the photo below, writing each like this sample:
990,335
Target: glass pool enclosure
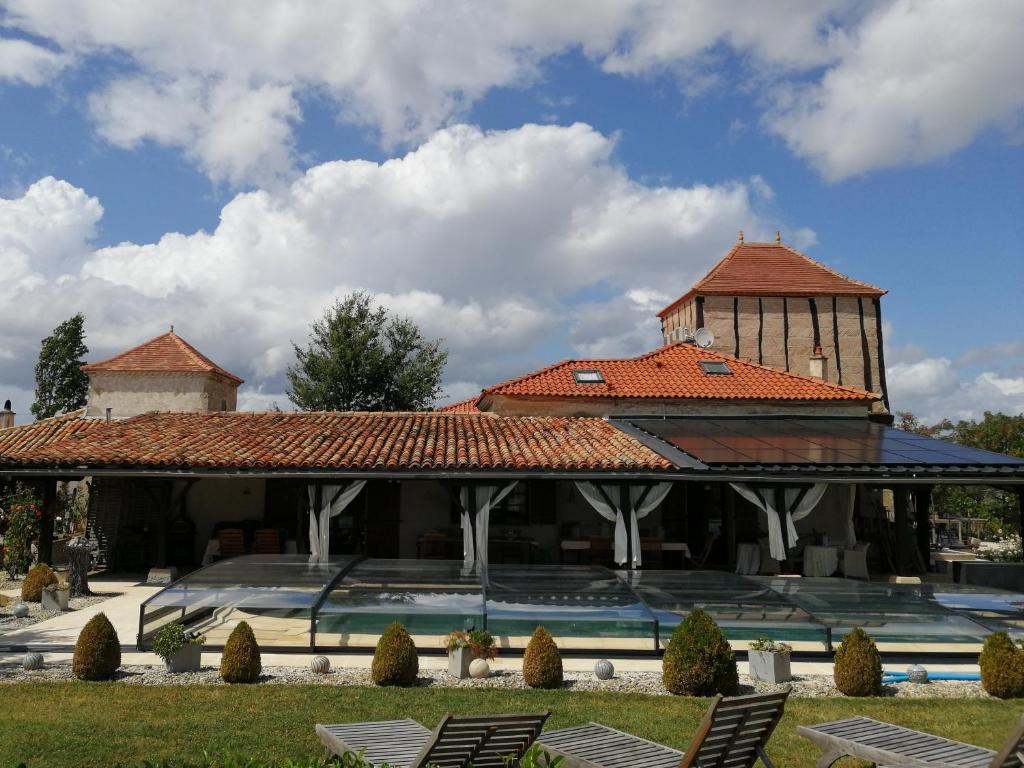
346,602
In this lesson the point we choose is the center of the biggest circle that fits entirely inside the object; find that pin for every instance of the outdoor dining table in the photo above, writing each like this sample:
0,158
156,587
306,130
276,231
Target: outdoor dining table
820,561
748,559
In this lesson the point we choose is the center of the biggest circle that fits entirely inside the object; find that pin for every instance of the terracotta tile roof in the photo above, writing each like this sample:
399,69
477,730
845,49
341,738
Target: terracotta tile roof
166,353
675,371
772,269
353,441
469,405
18,442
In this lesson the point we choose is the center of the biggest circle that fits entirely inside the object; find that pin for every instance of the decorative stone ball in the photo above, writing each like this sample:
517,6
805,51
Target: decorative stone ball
32,661
20,610
479,668
917,674
604,670
320,665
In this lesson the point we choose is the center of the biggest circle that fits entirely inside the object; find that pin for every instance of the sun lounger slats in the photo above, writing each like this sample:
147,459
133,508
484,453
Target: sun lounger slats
484,741
893,745
599,745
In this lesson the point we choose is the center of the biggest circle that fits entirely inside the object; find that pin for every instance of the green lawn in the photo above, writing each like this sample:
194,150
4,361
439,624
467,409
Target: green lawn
103,724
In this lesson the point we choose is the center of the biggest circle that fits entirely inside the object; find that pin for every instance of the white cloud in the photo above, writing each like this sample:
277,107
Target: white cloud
486,239
28,63
852,86
936,388
913,82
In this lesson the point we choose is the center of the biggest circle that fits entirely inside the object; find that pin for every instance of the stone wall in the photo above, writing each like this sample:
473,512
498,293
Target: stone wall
130,393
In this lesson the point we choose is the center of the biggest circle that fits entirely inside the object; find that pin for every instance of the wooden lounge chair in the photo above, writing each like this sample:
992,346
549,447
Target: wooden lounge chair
232,542
734,734
892,745
266,541
485,741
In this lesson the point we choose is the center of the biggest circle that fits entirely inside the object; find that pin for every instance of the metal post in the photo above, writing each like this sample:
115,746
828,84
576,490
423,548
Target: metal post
1020,510
471,500
900,496
780,510
922,512
46,521
729,527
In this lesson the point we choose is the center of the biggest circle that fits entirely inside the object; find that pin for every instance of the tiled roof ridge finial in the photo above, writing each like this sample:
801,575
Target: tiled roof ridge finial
778,237
740,236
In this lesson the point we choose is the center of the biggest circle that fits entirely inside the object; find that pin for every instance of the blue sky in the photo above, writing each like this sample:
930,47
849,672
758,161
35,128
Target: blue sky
529,184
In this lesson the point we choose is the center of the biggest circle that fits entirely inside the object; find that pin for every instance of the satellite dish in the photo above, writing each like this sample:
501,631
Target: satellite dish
703,338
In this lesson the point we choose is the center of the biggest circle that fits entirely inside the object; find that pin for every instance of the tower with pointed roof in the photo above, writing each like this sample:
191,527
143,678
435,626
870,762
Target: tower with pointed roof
770,304
165,373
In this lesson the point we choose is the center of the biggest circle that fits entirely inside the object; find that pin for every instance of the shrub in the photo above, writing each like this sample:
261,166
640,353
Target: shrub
98,650
171,638
1002,667
542,663
36,580
858,665
699,660
395,661
240,662
20,528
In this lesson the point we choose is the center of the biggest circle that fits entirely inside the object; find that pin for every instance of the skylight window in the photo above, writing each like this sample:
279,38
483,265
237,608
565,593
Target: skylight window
716,368
588,376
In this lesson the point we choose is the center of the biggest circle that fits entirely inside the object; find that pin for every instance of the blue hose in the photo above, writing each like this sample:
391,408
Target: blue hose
901,677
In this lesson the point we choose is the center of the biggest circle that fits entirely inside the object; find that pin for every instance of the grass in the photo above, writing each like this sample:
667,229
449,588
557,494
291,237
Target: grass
106,724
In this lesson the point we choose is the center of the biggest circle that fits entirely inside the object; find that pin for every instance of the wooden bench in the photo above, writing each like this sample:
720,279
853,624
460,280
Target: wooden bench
891,745
734,733
485,741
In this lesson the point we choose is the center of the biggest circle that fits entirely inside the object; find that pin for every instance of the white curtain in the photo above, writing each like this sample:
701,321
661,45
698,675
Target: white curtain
765,502
851,511
487,496
609,512
641,509
333,500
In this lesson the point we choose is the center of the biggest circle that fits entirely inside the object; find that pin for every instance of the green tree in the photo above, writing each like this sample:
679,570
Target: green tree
995,432
61,384
360,358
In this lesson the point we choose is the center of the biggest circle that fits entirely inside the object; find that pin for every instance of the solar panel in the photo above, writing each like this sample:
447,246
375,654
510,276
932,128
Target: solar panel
813,442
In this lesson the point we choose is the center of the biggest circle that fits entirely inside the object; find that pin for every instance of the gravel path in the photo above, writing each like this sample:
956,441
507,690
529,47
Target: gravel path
36,613
809,686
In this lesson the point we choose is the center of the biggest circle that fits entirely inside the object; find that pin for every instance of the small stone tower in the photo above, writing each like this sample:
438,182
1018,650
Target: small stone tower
771,304
163,374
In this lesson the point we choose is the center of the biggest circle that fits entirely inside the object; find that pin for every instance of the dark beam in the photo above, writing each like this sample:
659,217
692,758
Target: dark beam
627,518
729,527
922,509
901,498
49,511
780,510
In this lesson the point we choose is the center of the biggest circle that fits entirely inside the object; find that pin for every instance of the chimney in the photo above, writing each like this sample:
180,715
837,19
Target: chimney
7,416
819,365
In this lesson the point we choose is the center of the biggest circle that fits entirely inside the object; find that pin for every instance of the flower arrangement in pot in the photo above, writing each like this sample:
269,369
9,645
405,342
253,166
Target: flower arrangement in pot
55,596
464,647
180,650
769,660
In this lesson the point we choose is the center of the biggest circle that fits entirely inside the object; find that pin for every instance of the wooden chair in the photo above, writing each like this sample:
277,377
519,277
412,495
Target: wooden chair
487,741
266,541
887,744
855,562
232,542
734,733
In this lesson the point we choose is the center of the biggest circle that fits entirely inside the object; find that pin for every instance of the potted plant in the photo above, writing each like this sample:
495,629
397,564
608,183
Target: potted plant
180,650
464,647
769,660
55,596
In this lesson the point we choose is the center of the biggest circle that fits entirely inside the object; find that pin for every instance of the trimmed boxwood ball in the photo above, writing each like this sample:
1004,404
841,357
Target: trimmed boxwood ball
542,663
98,650
858,665
36,580
1002,667
32,662
240,662
395,661
699,660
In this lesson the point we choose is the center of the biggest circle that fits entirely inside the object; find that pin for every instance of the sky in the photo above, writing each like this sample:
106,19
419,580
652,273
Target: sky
526,180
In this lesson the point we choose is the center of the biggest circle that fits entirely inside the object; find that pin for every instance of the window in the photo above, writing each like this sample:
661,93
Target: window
588,376
715,368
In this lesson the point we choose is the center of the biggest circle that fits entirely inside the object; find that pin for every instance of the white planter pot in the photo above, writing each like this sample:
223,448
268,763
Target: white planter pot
55,600
770,666
458,663
187,659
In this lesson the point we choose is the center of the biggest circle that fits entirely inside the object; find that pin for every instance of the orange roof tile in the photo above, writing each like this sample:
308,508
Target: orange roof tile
165,353
469,405
17,442
674,371
353,441
772,269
